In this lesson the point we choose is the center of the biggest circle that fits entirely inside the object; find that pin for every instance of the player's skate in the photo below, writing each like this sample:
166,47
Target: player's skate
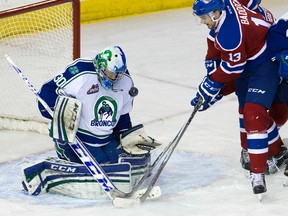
258,184
286,174
272,166
282,157
245,160
286,170
245,163
273,162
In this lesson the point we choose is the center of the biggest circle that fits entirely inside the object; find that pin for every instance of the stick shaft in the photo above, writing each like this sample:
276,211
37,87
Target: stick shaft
171,149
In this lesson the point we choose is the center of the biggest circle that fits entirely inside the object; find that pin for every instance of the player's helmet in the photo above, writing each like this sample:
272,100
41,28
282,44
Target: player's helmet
201,7
110,64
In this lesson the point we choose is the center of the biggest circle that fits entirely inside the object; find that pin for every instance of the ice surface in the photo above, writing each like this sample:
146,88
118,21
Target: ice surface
165,52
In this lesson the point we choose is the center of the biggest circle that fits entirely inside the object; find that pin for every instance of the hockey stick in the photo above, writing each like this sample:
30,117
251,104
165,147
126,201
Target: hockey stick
124,202
79,148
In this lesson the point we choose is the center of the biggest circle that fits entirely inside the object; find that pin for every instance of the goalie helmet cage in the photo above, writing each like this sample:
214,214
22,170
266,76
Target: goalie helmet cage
42,37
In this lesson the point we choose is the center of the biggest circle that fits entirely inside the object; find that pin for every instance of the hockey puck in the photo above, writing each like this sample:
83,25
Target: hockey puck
133,91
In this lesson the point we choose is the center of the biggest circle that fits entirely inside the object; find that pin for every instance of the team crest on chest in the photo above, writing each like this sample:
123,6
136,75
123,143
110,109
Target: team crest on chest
105,112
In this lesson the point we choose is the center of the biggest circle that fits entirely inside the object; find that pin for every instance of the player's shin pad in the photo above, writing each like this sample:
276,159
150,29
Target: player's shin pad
136,142
66,119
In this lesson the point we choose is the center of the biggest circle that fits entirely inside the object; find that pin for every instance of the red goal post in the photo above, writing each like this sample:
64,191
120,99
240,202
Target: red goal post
42,37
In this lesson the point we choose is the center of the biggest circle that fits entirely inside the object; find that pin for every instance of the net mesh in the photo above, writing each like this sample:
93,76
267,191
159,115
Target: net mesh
40,42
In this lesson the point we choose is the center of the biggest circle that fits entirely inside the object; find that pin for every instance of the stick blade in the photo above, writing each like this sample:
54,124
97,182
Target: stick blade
155,192
135,199
120,202
117,193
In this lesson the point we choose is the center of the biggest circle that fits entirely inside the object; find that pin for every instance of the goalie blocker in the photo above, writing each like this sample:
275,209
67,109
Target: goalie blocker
66,119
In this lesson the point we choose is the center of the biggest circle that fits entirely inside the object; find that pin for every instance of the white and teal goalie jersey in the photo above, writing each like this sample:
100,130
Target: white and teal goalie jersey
103,111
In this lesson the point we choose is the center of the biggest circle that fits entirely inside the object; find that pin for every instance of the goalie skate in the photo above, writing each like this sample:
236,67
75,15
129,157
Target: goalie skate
135,199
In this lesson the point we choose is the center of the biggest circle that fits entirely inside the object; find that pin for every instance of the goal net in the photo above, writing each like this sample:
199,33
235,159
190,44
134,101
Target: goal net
41,37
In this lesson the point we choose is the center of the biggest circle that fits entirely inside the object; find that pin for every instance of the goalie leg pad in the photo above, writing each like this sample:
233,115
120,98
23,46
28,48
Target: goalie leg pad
33,182
139,166
71,179
66,119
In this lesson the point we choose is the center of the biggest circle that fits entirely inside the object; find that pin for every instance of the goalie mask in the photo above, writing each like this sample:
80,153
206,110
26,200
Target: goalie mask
110,65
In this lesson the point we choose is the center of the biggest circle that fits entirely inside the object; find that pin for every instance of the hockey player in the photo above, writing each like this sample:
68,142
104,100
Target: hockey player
278,110
106,91
91,98
277,46
239,37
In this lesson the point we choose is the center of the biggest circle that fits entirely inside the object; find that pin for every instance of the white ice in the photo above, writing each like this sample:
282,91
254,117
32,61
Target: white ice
165,52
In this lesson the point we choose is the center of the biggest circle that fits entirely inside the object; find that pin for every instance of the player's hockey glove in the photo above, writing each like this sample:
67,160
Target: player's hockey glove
211,65
208,91
205,105
136,142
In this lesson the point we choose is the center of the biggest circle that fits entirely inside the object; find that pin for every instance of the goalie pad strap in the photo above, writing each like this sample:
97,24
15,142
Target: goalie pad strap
66,119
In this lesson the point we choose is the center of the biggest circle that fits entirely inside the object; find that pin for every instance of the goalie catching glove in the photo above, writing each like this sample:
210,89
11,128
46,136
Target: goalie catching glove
66,119
136,142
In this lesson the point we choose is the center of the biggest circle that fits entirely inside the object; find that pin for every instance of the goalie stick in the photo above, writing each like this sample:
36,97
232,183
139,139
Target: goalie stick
124,201
79,148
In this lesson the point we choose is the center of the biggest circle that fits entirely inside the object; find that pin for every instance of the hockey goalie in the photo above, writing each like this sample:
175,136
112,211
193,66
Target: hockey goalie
91,100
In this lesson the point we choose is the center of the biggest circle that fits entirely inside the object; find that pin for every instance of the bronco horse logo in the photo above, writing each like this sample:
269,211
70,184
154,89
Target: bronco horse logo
105,107
105,110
